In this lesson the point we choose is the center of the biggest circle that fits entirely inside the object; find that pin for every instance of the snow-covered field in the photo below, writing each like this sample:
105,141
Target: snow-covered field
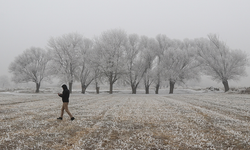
126,121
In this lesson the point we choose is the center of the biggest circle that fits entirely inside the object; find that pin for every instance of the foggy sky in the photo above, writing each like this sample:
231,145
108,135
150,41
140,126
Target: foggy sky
29,23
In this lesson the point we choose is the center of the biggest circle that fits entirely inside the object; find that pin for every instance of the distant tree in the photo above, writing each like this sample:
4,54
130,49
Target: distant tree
180,63
97,78
135,65
30,66
94,64
85,72
219,61
110,55
148,46
66,54
164,43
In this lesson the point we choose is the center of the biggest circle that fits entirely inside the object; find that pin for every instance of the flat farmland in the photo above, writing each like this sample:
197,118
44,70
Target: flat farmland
126,121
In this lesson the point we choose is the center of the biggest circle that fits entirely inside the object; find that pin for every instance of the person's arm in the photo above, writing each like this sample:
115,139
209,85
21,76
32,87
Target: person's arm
63,94
60,94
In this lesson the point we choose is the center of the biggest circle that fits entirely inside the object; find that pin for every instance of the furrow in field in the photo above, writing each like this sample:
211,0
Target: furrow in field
221,129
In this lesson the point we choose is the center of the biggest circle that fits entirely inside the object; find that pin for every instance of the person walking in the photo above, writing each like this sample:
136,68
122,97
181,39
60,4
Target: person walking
65,98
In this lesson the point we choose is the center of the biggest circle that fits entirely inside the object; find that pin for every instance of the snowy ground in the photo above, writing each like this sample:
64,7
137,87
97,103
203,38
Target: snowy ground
126,121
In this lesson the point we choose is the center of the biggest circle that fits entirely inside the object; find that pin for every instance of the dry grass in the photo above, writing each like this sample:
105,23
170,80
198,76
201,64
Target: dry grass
184,121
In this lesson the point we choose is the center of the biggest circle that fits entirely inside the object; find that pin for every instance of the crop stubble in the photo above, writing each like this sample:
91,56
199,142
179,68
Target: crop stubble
179,121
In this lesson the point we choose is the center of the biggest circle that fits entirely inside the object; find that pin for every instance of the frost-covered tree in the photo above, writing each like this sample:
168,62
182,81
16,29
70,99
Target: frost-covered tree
110,55
65,52
148,46
219,61
86,70
164,43
97,78
180,63
94,65
135,65
30,66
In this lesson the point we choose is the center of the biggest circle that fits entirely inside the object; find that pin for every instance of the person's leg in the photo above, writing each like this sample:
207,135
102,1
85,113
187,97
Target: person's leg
62,110
66,109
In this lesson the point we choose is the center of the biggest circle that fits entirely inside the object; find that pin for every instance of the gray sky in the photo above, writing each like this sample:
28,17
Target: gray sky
29,23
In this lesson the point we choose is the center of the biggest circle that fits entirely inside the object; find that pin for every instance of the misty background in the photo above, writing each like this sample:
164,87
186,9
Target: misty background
29,23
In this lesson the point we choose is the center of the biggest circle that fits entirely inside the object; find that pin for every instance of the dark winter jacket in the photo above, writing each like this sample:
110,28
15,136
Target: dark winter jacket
65,94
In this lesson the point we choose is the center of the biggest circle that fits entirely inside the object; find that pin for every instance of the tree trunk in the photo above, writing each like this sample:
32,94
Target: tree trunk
171,90
96,87
84,87
226,86
134,87
110,87
157,88
97,90
147,89
70,87
37,87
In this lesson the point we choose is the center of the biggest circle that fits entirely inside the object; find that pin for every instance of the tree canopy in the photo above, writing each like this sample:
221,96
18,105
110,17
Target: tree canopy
30,66
130,58
219,61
